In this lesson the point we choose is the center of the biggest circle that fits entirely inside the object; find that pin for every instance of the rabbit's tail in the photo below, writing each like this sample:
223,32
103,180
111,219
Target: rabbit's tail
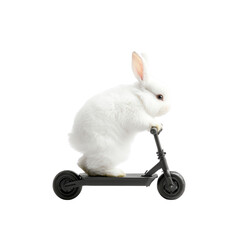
74,142
82,164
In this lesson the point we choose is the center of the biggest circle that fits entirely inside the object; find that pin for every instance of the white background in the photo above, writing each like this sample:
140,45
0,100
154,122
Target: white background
54,55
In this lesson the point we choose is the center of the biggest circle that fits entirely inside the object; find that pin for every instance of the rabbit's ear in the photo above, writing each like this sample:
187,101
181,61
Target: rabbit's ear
139,67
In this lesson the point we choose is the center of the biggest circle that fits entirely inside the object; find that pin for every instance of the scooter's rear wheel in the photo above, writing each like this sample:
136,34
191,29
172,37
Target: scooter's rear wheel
165,192
59,182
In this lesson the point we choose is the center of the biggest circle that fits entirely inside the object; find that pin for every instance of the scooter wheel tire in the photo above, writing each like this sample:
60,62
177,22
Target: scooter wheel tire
178,180
59,185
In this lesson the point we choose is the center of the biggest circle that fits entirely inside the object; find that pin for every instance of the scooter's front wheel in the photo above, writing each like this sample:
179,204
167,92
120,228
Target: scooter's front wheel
165,192
59,182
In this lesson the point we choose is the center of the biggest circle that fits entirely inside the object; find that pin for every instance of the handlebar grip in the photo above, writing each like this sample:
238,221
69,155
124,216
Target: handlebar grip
154,130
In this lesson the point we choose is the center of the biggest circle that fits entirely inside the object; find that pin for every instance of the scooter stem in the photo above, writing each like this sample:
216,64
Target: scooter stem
161,156
162,163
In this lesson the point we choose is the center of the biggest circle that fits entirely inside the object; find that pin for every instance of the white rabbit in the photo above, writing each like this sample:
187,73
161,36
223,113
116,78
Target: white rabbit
106,125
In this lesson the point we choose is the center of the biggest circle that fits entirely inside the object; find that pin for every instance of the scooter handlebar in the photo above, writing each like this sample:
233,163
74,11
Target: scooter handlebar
154,130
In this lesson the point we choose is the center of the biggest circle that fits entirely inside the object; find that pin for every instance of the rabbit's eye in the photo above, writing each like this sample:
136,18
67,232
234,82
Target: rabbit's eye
160,97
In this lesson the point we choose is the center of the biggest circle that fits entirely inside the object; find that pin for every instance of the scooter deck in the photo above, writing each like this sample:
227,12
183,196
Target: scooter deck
131,179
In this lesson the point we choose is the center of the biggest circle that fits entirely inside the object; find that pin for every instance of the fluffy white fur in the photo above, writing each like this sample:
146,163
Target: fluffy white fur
106,125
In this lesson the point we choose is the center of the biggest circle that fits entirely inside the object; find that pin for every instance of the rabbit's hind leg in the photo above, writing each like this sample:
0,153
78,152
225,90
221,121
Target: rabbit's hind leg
115,172
94,167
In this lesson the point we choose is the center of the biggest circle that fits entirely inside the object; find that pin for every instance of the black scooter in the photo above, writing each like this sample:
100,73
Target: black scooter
171,185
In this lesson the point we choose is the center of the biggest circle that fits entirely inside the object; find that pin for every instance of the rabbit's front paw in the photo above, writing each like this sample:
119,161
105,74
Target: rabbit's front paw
158,126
